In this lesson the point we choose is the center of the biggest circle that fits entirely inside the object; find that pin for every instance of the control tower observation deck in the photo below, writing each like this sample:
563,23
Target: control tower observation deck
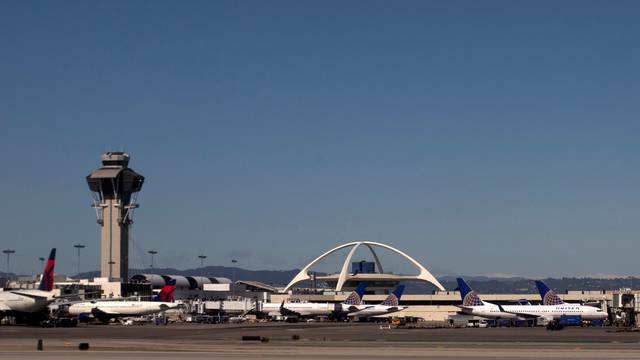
114,188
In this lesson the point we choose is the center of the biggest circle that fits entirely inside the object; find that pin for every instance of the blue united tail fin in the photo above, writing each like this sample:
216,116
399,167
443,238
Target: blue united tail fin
355,298
469,297
549,297
46,284
394,298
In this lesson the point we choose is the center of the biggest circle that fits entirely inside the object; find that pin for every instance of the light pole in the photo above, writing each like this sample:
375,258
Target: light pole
153,253
202,257
8,252
233,282
79,247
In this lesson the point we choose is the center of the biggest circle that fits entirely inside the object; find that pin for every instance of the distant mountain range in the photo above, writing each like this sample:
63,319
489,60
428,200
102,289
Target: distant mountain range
522,285
482,284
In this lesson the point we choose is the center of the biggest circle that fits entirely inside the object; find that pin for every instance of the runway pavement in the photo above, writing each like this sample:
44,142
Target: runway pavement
316,341
321,332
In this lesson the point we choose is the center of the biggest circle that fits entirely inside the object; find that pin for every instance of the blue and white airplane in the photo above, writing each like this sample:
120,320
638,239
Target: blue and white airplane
552,308
310,309
390,305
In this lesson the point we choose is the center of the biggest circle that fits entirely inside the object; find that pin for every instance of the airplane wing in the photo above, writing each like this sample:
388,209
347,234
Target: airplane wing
284,311
102,312
4,307
103,316
287,312
35,297
382,311
355,309
523,314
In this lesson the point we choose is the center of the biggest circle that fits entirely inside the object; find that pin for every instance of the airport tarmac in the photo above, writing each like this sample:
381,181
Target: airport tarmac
317,341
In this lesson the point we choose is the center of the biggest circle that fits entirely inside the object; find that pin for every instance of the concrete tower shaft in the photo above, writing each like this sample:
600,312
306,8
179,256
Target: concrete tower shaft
115,187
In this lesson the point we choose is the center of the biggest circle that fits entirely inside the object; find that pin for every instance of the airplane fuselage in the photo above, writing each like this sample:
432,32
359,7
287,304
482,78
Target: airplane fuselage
520,312
320,309
121,308
556,311
25,301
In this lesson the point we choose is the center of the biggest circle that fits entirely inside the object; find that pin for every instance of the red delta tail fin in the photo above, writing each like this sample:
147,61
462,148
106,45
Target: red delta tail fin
167,291
46,284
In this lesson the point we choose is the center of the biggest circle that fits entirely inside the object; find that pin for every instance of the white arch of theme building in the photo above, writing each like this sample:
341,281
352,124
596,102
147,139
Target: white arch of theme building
303,275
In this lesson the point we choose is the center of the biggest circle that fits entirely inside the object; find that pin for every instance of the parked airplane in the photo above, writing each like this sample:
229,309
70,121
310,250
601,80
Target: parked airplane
472,305
553,307
389,305
105,310
307,309
30,304
553,310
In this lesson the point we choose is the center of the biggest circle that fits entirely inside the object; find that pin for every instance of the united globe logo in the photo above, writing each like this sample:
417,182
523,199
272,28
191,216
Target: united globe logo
550,298
392,300
471,299
353,299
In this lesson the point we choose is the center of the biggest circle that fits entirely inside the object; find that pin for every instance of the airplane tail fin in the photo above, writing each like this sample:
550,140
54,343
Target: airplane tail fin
167,291
46,283
549,297
394,298
469,297
355,298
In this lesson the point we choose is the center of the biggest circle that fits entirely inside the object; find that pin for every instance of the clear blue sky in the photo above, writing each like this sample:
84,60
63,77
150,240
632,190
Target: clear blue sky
480,137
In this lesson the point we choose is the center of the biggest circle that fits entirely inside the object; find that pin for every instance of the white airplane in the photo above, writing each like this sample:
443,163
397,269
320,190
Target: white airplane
309,309
553,308
105,310
30,304
389,305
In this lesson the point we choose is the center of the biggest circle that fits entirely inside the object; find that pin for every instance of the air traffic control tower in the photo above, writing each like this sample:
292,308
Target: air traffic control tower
114,188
